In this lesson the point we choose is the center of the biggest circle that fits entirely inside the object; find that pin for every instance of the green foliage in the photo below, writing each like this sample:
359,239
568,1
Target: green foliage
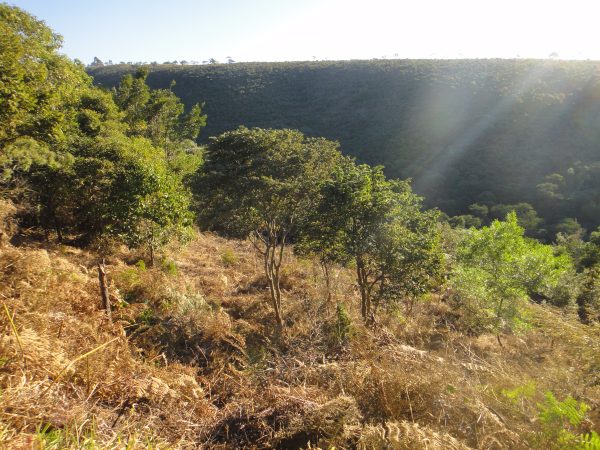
560,421
466,131
156,114
169,267
520,393
569,226
526,216
255,179
146,317
37,84
91,166
588,299
378,225
465,221
590,441
260,183
24,153
343,324
570,198
497,268
228,257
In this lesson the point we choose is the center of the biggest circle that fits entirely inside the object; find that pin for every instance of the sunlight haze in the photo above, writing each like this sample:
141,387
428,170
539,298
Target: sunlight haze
271,30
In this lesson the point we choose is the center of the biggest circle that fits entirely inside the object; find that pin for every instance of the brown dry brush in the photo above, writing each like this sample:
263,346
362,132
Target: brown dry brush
196,360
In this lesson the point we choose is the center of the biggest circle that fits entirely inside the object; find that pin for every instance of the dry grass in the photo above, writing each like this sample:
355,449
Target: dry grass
7,226
193,360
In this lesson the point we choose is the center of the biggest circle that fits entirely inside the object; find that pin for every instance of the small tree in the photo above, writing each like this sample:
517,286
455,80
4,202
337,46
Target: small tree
259,184
498,268
377,224
162,216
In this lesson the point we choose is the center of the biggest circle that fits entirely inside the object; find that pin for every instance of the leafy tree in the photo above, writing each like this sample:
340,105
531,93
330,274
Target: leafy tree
465,221
125,189
592,256
479,210
190,125
569,226
37,84
97,62
497,268
65,140
526,215
157,114
24,153
378,225
259,183
132,96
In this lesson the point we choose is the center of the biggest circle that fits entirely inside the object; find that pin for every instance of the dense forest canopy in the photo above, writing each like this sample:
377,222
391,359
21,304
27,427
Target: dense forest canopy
466,131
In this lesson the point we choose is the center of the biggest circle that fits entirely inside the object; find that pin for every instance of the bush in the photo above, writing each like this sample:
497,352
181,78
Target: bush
498,268
561,422
169,267
228,257
343,325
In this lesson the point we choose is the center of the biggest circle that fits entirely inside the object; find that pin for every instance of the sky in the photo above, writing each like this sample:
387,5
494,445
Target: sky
300,30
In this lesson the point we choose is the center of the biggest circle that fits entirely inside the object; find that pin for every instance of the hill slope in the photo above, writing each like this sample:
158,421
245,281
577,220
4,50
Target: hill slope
464,130
193,359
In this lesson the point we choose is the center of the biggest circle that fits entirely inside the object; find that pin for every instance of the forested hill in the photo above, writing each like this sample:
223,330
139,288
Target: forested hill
466,131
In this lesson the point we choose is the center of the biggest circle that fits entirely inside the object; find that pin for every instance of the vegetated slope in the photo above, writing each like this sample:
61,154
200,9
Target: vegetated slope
193,359
464,130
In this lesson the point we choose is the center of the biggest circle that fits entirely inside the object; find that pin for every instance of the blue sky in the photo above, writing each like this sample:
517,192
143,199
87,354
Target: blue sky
278,30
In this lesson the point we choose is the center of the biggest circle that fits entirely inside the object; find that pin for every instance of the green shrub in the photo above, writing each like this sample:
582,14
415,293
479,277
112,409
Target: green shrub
516,395
169,267
228,258
146,317
498,269
561,422
343,324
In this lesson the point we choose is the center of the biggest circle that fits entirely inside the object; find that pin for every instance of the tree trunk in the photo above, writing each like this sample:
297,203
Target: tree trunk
327,275
273,281
104,290
58,231
275,301
365,307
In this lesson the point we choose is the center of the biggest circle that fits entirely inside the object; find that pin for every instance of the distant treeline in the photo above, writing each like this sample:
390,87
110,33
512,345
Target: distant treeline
491,132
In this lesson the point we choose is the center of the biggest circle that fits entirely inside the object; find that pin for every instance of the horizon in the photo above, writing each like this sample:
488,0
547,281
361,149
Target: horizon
224,63
274,31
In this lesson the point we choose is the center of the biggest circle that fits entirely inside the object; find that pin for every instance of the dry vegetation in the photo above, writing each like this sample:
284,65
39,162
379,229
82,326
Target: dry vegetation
193,360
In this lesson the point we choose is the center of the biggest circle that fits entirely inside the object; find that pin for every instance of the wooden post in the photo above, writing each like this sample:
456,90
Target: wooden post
104,289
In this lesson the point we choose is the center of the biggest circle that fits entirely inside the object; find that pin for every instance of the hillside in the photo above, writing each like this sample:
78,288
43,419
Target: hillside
466,131
267,291
193,359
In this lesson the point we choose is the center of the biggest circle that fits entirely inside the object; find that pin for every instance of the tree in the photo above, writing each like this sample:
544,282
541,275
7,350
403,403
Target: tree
123,187
132,96
85,171
526,215
97,62
498,268
163,214
569,226
259,183
378,225
157,114
37,85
